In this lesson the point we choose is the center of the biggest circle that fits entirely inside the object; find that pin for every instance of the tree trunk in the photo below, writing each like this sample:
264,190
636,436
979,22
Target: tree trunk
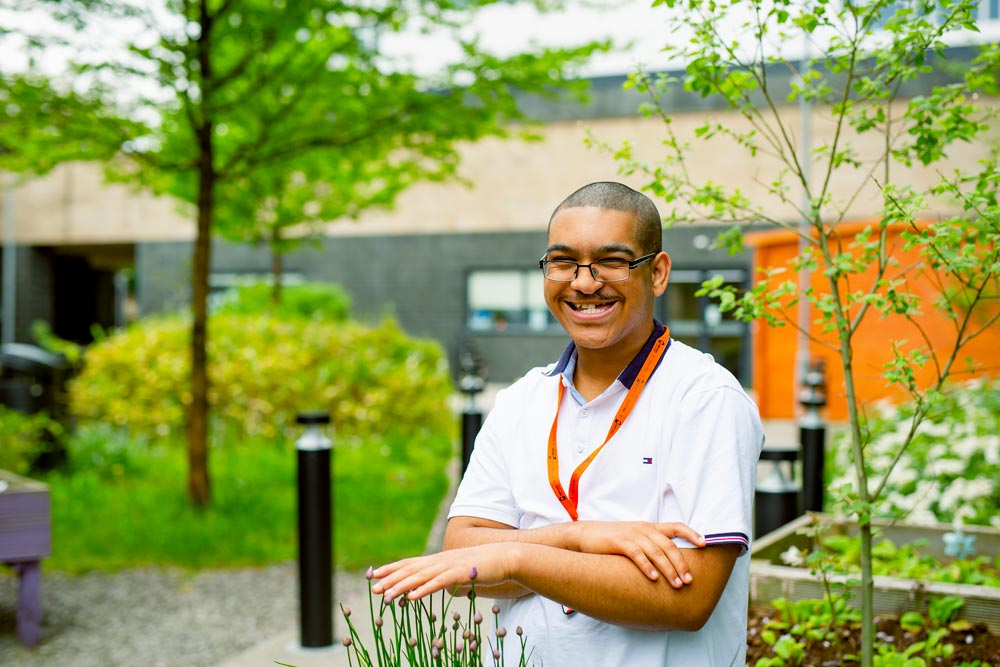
199,488
197,434
277,269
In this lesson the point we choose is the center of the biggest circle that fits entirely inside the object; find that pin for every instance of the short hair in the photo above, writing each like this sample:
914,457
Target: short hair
618,197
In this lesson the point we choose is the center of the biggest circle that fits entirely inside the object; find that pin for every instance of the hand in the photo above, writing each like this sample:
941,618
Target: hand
449,571
648,545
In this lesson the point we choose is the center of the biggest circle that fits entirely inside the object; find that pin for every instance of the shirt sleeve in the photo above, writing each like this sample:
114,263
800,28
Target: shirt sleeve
712,466
485,489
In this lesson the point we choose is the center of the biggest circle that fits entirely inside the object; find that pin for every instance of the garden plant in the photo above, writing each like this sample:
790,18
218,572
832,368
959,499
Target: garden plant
415,633
855,67
119,502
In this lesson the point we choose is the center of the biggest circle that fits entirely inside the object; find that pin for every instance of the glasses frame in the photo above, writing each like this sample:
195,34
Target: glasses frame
593,272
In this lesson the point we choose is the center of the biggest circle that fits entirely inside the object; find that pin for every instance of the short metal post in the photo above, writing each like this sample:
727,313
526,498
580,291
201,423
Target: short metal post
472,421
472,382
777,496
314,451
812,437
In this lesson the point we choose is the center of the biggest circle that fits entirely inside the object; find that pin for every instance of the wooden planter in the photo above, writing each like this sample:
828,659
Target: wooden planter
25,538
770,578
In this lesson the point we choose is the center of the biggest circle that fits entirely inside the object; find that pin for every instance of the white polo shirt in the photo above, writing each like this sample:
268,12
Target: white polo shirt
687,452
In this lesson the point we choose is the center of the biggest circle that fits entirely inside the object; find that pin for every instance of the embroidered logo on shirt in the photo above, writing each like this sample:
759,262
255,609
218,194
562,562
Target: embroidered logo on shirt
647,460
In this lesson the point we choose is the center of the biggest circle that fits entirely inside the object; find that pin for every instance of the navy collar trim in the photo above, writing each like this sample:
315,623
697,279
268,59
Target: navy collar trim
627,376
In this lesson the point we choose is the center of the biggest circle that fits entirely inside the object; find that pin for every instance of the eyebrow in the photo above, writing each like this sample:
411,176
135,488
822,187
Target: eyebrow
603,250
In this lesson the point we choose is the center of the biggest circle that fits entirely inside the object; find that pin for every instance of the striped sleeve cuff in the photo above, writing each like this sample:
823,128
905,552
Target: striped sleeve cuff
729,538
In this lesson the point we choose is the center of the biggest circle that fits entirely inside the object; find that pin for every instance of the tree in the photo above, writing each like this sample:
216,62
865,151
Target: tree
862,62
234,87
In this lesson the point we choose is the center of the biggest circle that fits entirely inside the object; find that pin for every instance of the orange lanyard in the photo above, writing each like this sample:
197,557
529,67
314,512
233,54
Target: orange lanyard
571,501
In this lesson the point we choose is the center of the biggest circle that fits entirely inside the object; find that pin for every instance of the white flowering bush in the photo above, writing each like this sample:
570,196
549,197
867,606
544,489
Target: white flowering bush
950,473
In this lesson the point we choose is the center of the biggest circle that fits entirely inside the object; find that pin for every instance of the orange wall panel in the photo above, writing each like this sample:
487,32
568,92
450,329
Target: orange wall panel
775,348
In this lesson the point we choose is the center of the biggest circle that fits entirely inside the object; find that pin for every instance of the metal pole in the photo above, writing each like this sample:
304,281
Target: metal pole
472,382
472,421
776,498
812,437
314,451
9,311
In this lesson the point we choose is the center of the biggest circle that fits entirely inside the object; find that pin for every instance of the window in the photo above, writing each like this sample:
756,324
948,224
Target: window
220,285
699,322
507,300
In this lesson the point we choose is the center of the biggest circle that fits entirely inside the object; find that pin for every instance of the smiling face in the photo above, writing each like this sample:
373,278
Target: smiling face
615,317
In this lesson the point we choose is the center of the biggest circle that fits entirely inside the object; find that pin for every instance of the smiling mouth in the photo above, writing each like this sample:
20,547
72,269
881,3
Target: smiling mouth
591,308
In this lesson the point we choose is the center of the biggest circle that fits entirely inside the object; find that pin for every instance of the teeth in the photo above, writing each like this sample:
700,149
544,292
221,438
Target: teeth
588,307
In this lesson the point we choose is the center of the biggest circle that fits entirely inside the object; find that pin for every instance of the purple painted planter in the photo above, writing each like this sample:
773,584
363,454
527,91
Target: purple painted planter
25,538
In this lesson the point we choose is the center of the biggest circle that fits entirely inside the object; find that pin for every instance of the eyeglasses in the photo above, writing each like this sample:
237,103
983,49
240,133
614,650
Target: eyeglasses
609,270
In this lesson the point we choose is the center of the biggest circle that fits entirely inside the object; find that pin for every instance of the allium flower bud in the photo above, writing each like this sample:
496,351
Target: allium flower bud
454,626
435,653
478,618
347,641
411,642
471,595
496,609
466,634
347,612
438,643
369,573
496,654
501,631
473,573
402,601
434,617
519,631
473,646
459,647
455,616
378,621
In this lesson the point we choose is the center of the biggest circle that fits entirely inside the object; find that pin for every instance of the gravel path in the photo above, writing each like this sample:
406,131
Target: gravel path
158,618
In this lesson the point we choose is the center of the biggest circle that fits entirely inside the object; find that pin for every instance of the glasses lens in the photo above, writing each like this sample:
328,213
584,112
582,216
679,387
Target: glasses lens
560,270
611,270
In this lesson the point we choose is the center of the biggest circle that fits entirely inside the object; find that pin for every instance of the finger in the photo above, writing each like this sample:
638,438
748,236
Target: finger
681,530
658,552
391,575
425,582
675,561
641,559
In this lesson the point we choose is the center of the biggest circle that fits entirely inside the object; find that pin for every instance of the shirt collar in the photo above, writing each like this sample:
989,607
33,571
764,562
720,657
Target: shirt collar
628,375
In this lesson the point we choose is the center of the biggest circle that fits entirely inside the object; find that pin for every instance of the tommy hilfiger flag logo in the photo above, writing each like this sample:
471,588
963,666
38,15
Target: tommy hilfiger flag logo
648,460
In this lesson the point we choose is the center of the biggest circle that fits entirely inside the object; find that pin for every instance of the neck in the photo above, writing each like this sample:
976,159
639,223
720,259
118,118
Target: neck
597,369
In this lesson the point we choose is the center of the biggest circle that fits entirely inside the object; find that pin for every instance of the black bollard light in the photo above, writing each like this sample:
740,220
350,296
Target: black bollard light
471,383
314,452
777,496
812,437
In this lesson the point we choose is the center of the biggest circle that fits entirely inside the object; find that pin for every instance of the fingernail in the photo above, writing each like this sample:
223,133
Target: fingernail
677,581
653,574
688,577
389,595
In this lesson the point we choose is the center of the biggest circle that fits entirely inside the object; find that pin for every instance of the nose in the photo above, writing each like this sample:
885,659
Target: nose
585,281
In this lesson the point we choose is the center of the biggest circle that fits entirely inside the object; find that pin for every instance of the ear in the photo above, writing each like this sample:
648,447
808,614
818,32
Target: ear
661,273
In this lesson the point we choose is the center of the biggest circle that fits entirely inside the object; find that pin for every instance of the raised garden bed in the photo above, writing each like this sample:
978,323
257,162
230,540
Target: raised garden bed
770,578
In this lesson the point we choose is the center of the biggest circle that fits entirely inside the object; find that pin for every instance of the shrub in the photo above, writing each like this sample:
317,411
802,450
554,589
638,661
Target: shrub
264,370
23,438
949,472
323,301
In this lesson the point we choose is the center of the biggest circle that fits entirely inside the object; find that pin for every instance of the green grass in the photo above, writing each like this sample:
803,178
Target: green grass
122,503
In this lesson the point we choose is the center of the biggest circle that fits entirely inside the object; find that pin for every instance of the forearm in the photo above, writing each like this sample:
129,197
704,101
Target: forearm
611,588
466,532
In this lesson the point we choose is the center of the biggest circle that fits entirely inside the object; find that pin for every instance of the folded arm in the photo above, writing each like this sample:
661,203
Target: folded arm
579,565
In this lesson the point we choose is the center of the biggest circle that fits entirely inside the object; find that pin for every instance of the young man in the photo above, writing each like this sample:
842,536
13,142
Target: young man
609,494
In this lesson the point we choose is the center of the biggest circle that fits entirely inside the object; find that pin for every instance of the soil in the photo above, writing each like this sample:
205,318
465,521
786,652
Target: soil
976,643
